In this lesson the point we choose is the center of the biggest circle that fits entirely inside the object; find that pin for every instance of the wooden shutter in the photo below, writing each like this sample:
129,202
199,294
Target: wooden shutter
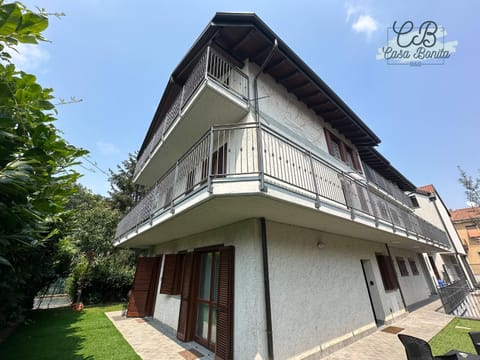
387,271
168,277
142,296
224,345
184,329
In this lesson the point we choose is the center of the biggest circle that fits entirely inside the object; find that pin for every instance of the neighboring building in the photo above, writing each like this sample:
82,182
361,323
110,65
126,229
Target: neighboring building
447,266
273,226
467,223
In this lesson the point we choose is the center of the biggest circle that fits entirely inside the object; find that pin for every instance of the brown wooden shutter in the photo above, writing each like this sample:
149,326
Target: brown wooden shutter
142,296
387,272
184,329
224,345
168,277
329,142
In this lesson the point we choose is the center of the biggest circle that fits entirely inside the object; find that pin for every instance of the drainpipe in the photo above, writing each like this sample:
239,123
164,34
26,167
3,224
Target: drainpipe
396,276
257,116
457,255
266,283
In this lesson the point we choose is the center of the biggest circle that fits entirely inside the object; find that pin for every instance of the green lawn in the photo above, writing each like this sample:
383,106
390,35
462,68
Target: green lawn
455,336
65,334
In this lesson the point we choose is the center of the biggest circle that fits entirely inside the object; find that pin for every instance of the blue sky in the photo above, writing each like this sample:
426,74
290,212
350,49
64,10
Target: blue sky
117,57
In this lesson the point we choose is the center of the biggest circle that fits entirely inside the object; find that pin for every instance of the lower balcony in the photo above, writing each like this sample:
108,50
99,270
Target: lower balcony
236,172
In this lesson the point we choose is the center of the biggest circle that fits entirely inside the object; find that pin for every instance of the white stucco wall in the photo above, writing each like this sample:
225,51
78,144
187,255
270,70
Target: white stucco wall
414,287
320,295
427,211
283,112
249,305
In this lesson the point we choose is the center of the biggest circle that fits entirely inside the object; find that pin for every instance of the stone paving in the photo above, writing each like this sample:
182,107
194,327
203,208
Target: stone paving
423,323
152,341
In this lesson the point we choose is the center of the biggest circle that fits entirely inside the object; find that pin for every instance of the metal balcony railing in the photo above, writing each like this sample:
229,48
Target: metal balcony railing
210,65
388,186
231,153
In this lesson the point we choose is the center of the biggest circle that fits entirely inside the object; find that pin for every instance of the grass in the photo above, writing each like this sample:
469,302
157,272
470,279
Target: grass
455,336
65,334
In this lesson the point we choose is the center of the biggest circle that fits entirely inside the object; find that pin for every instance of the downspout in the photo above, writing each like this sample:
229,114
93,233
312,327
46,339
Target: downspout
396,276
257,116
266,283
457,255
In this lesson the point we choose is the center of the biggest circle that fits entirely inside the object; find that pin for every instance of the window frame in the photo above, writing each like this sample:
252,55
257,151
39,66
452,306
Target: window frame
344,150
402,266
413,266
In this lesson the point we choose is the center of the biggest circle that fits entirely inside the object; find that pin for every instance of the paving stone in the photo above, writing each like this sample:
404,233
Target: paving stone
151,343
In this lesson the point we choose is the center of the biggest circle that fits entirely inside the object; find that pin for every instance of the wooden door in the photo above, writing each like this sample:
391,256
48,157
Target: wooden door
144,289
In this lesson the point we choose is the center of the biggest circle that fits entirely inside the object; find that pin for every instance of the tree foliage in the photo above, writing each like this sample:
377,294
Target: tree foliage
124,192
36,179
471,186
100,271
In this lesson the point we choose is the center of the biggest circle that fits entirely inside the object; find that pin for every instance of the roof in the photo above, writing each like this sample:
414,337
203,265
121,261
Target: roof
245,36
379,163
427,188
465,214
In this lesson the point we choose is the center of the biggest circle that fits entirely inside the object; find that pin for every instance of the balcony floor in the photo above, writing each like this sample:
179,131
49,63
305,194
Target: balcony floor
233,202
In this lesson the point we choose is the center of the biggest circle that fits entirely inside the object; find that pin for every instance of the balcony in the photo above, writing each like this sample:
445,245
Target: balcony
377,180
235,172
214,89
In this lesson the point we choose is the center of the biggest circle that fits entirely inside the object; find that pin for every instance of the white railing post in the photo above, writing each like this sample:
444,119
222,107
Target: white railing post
317,196
210,163
175,178
261,170
207,60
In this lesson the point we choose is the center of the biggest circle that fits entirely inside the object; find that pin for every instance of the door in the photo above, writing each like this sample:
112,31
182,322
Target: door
142,297
207,299
373,293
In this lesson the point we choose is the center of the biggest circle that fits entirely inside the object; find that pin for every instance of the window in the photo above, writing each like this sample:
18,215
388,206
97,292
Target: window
342,151
414,201
402,266
387,272
413,266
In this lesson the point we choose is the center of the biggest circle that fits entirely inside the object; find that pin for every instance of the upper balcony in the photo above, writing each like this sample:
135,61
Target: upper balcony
214,89
235,172
378,181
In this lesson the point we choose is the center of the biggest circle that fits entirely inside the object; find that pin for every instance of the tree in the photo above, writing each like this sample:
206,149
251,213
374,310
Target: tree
472,187
100,272
36,178
124,192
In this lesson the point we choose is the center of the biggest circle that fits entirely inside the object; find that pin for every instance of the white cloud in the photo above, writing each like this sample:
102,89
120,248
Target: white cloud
107,148
29,57
366,24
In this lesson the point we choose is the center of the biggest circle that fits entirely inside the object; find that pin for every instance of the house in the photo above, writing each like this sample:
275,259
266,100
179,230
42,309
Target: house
272,227
467,223
447,266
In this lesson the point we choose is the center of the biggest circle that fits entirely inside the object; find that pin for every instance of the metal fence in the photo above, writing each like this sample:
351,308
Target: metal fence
210,65
458,300
234,152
